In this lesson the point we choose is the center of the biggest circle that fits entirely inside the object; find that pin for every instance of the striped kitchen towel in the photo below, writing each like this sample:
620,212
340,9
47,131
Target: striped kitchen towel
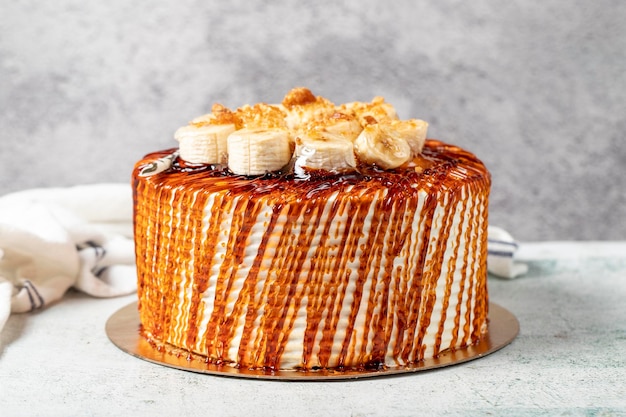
501,249
60,238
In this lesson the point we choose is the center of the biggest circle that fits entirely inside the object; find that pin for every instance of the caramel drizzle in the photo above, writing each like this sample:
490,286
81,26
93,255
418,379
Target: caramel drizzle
461,237
401,296
322,295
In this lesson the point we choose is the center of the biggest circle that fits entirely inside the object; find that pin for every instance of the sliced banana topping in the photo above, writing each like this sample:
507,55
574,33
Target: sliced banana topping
411,130
260,115
303,108
376,147
368,113
204,144
320,150
219,115
340,124
257,139
256,151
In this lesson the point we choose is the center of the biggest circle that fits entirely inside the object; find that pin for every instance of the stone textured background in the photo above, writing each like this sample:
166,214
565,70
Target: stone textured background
536,89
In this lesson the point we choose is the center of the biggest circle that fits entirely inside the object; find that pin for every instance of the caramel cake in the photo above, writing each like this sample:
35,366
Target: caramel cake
307,235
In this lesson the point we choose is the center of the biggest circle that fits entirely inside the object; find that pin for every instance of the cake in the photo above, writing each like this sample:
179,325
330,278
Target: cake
305,236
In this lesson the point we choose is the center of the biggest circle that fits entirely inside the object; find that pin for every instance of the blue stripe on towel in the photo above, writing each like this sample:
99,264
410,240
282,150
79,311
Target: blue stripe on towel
503,254
32,290
502,242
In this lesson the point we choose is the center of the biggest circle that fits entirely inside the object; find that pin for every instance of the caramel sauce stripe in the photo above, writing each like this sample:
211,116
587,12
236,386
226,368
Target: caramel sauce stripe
409,241
199,264
449,271
249,295
338,273
479,226
331,278
243,251
482,305
370,260
184,251
173,265
410,351
206,258
141,254
437,273
274,290
398,240
465,235
286,296
359,209
429,271
467,322
315,290
215,335
156,218
394,206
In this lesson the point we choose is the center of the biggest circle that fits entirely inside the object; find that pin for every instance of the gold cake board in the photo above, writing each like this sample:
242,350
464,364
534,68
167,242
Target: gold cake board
123,330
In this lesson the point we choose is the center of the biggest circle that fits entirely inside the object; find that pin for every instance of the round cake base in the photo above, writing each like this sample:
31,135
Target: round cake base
123,330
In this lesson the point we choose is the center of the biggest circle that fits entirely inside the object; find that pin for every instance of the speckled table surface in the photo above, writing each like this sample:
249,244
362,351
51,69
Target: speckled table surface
568,359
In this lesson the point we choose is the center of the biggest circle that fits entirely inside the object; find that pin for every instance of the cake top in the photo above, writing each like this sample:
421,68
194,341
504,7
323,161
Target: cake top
305,133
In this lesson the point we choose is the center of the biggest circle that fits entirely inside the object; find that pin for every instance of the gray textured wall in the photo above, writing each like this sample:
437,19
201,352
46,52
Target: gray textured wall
536,89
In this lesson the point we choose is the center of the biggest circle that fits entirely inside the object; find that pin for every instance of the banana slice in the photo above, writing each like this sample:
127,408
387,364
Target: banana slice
342,125
375,146
260,115
368,113
302,108
220,115
412,130
319,150
204,143
256,151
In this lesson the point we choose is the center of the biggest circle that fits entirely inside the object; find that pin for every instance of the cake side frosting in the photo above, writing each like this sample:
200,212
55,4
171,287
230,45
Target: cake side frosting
362,269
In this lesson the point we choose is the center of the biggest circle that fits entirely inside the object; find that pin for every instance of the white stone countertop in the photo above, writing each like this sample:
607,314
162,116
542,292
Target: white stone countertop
568,359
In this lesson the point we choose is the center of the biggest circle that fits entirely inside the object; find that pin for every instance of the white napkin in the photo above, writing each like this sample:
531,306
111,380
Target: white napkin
81,237
501,249
57,238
